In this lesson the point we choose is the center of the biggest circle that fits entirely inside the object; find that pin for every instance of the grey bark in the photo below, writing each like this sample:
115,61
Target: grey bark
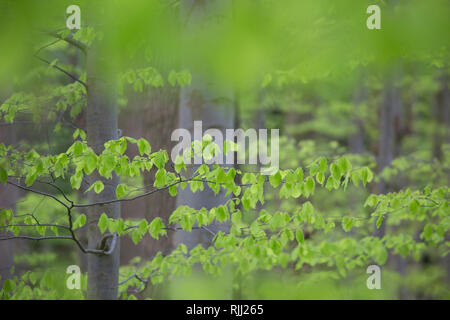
356,139
442,136
101,124
390,111
157,114
207,101
196,103
8,199
442,117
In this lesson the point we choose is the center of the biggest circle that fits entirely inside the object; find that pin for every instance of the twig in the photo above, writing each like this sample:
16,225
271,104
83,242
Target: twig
63,71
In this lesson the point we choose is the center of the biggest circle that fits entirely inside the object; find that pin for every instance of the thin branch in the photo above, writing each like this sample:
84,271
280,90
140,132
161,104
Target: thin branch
63,71
35,225
205,228
37,238
46,46
38,192
57,188
69,39
126,199
150,192
134,275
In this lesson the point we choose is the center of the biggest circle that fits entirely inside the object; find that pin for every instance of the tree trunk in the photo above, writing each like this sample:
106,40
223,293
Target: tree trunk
212,104
196,104
356,139
389,117
103,270
8,199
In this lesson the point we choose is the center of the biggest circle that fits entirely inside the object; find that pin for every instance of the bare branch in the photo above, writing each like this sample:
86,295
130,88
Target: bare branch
38,192
37,238
69,39
35,225
63,71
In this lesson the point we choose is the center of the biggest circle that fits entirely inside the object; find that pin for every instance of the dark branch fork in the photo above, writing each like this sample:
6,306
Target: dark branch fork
63,71
104,249
72,41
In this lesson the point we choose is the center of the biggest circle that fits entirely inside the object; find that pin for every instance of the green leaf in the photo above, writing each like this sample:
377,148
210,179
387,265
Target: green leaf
414,206
371,201
79,133
173,191
76,180
366,175
3,175
136,236
300,236
90,163
320,177
103,223
156,228
335,171
98,186
144,147
313,170
428,231
355,178
222,214
160,178
53,63
113,225
78,148
299,174
347,224
31,177
121,190
310,185
379,221
275,179
323,165
159,159
142,226
344,165
330,183
179,164
79,221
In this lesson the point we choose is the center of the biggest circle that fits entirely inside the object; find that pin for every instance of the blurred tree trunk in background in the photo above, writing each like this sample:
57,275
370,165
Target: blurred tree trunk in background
442,117
206,101
356,139
197,103
390,110
101,124
441,137
8,199
153,116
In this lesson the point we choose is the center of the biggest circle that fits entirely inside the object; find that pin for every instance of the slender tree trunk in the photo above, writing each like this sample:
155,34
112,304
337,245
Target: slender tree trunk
442,117
8,199
356,139
196,104
389,116
212,104
103,270
157,111
442,136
